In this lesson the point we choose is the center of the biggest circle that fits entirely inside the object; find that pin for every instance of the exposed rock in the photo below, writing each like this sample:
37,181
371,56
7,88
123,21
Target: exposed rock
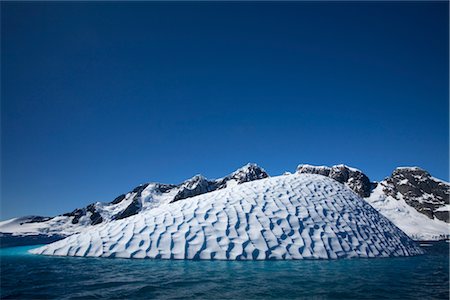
96,217
76,214
420,190
353,178
309,169
131,209
138,190
37,219
118,199
135,204
197,185
247,173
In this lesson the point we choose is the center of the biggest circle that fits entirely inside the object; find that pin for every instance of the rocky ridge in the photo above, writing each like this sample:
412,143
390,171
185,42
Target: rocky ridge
410,197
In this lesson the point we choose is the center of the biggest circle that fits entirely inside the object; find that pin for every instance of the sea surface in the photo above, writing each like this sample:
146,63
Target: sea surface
25,275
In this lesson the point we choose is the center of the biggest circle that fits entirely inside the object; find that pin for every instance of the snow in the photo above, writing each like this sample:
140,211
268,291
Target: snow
149,198
231,183
350,168
415,224
60,225
414,168
444,208
438,180
299,216
313,167
343,166
403,181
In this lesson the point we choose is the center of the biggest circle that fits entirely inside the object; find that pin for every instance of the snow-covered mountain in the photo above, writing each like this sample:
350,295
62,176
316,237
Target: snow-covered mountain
411,198
143,197
299,216
414,201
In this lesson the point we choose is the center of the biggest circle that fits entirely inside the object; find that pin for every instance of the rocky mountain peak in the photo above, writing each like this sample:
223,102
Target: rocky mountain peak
194,186
409,196
247,173
353,178
198,184
420,190
194,181
310,169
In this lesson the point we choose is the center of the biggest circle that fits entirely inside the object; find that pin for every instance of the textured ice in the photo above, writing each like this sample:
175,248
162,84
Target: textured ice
299,216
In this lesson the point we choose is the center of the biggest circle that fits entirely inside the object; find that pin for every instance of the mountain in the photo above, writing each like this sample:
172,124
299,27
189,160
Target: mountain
144,196
299,216
414,201
353,178
410,197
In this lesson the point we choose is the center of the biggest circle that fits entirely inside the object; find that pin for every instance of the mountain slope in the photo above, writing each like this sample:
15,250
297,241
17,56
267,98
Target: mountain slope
300,216
428,195
414,201
410,197
143,197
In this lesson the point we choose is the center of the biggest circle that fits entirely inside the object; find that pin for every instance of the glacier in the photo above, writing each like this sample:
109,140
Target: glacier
297,216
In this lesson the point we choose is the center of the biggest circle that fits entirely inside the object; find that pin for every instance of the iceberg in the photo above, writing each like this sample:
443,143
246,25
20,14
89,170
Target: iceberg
298,216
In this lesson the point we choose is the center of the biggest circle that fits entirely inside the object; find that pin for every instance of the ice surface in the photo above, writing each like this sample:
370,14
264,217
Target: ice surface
299,216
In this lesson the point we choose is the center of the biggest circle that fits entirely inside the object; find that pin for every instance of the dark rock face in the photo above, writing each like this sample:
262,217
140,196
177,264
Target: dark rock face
355,179
118,199
419,190
37,219
138,190
308,169
135,205
198,184
76,214
165,188
96,217
247,173
131,209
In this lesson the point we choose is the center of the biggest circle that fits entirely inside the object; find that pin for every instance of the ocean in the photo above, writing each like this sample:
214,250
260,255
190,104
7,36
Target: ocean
25,276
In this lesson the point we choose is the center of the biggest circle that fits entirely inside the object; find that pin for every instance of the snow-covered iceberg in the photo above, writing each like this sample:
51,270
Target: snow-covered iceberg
299,216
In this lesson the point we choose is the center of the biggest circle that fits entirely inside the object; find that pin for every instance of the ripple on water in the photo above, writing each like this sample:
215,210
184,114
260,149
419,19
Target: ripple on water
30,276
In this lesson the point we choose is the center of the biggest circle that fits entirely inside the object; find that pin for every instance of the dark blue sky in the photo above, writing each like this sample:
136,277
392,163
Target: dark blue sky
99,97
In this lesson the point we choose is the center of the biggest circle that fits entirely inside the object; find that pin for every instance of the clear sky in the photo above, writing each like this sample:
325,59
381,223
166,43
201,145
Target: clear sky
97,98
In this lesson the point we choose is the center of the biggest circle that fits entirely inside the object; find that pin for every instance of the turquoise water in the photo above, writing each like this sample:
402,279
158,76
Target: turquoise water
29,276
